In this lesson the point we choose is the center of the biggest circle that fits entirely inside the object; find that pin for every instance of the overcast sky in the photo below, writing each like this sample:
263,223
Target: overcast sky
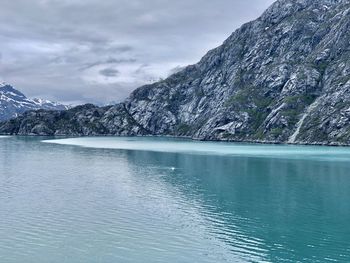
78,51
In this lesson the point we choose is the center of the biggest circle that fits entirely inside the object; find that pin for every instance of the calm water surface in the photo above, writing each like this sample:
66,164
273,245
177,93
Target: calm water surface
166,200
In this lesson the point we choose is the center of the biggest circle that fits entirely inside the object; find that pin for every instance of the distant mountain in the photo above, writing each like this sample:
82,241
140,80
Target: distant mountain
283,78
14,103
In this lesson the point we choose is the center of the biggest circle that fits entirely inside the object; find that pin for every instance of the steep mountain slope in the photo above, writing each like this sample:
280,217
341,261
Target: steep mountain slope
284,77
14,103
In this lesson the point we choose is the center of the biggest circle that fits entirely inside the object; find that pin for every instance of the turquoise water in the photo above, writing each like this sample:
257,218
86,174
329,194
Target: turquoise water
168,200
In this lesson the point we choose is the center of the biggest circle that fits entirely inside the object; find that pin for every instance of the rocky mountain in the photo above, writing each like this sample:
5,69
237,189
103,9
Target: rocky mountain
284,78
13,103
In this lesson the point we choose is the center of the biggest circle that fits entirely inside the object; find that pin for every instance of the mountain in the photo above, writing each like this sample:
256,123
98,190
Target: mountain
13,103
283,78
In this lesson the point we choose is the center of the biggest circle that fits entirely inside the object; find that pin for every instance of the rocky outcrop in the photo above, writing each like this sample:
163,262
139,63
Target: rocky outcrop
79,121
284,77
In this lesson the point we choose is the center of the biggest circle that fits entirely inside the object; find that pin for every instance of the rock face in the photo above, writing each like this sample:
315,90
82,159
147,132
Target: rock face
14,103
284,77
82,120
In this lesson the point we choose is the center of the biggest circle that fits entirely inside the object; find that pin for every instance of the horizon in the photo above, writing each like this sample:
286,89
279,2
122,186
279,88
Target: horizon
103,57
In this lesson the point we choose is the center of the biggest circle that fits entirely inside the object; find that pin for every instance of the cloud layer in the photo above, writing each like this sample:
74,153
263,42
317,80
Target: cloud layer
96,51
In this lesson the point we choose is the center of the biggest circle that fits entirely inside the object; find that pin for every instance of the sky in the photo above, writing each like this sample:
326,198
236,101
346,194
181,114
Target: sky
98,51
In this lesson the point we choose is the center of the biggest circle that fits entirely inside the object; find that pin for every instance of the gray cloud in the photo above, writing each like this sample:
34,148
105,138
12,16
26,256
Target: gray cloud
98,51
109,72
108,61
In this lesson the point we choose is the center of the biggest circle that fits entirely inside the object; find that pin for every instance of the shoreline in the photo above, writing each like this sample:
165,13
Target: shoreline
262,142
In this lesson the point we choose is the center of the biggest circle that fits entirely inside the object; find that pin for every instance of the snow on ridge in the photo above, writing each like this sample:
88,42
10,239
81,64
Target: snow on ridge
40,102
14,103
3,84
48,103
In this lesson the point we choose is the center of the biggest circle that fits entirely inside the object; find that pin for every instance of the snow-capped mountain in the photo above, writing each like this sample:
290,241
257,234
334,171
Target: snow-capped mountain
14,103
